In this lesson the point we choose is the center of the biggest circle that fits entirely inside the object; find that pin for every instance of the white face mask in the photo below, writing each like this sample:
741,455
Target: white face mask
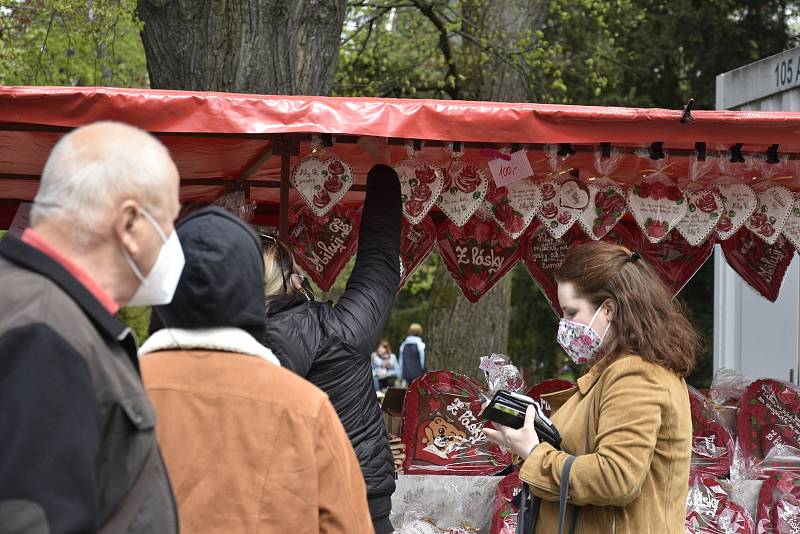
158,287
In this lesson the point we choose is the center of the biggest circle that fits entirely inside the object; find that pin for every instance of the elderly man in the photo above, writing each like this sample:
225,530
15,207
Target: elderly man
78,449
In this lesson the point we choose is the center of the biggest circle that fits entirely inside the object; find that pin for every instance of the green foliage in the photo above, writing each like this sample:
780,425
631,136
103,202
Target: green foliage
71,42
138,320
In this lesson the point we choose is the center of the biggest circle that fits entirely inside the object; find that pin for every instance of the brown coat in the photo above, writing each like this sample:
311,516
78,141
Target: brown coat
634,479
251,447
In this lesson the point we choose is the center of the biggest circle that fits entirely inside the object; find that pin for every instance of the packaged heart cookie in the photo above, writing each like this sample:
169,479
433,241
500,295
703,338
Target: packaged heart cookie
551,385
513,206
505,509
760,264
463,189
322,246
477,255
775,204
657,205
416,244
739,202
712,445
778,508
712,508
442,430
322,179
768,425
704,208
607,203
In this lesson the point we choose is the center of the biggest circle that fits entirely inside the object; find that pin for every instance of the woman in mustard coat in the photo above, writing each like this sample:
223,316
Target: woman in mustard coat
628,422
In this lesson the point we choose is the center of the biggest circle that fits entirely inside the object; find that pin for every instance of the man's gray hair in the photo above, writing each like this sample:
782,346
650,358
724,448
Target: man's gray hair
94,168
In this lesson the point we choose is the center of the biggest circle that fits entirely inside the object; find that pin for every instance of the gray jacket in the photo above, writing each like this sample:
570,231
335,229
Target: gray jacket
76,429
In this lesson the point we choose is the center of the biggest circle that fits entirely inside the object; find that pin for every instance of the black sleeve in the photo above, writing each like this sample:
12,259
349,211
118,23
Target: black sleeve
50,434
371,289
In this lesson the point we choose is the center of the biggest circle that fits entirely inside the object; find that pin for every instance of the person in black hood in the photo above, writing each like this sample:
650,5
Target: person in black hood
330,345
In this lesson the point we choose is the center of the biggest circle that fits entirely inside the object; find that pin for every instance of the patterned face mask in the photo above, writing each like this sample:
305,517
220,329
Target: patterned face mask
580,341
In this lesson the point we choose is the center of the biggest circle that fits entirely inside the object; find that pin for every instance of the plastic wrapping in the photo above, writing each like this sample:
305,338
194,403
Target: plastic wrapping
500,373
712,445
778,509
504,514
237,203
728,386
768,426
712,508
442,429
605,166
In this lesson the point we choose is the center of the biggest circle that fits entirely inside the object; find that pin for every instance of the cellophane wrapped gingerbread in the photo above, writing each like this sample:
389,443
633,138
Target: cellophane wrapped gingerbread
443,431
768,431
712,508
712,445
504,515
544,387
778,509
501,374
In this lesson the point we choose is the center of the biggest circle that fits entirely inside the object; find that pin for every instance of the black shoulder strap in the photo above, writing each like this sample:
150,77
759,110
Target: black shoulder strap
121,519
562,512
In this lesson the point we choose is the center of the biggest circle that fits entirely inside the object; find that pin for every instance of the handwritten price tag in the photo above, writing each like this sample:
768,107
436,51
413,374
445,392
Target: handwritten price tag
507,172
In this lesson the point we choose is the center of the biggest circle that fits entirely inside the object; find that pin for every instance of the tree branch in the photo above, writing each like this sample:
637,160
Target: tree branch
444,45
41,48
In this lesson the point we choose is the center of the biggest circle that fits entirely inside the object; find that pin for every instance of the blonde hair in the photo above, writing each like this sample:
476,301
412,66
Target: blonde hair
415,329
278,268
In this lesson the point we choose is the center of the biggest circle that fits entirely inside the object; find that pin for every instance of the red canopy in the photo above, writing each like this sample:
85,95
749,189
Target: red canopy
226,141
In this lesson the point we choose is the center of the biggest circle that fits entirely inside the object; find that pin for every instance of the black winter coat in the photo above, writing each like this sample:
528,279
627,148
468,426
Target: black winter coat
330,345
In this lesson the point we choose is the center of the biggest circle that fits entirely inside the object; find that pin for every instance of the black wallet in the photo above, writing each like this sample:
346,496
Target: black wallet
508,409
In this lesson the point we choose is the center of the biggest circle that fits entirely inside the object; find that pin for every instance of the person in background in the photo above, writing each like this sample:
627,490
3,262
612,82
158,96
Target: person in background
78,450
385,369
627,426
250,447
412,354
331,345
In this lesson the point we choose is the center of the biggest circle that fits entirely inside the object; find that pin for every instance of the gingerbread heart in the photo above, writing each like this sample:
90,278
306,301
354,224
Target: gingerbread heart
768,419
477,255
657,205
443,431
322,246
712,445
774,206
513,206
551,385
416,244
778,508
504,516
791,230
562,205
704,208
420,185
463,191
760,264
712,507
606,207
739,202
322,183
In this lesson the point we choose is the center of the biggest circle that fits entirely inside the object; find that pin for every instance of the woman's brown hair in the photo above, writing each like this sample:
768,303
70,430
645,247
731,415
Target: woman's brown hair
648,321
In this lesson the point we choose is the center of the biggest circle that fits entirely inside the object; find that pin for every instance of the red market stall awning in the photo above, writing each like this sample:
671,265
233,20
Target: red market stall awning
225,142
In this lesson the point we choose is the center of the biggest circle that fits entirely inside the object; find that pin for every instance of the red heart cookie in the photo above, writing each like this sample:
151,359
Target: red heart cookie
768,418
416,244
443,431
607,205
322,183
477,255
322,246
702,215
463,191
657,205
712,446
711,508
420,185
513,206
551,385
778,508
562,205
761,265
504,514
791,230
774,207
739,202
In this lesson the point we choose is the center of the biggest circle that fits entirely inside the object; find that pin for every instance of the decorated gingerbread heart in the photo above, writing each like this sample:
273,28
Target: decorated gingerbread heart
657,204
775,203
739,202
463,191
674,259
505,510
791,230
778,507
768,418
416,244
712,508
477,255
322,182
761,265
420,185
607,205
704,208
443,431
322,246
551,385
562,205
712,445
513,206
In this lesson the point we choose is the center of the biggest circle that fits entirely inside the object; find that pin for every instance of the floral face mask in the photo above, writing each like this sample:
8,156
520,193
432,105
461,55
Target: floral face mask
580,341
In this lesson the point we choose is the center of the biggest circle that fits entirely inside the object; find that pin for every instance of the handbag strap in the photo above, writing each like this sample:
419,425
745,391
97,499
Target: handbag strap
562,500
123,516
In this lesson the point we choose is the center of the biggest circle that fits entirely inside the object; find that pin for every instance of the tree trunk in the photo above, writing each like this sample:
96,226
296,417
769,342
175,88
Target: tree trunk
460,332
250,46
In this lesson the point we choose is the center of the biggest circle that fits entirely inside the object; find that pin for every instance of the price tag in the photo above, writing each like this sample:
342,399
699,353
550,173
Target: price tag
507,172
22,219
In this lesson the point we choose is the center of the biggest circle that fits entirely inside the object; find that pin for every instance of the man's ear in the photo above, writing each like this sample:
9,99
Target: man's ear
123,225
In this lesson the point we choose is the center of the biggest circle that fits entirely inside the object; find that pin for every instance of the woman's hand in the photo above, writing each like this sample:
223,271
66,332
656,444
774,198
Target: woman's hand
520,441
